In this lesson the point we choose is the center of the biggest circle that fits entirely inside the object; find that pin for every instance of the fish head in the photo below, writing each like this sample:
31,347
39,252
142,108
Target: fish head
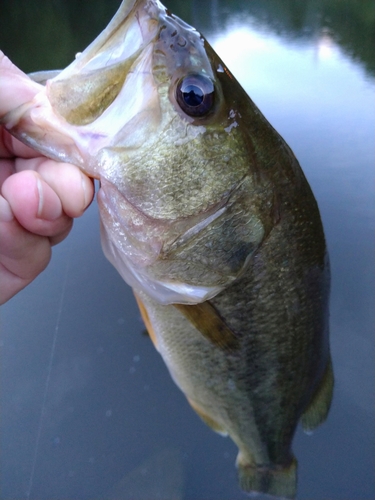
150,110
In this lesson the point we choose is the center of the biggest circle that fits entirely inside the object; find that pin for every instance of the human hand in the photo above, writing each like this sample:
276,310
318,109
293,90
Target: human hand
38,197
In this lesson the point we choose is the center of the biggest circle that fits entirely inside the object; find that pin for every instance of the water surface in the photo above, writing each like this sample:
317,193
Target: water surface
88,407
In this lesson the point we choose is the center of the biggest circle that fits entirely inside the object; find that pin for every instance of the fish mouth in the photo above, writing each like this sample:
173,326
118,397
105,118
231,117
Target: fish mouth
105,98
90,84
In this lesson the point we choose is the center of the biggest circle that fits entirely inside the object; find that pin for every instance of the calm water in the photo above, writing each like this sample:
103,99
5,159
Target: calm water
88,408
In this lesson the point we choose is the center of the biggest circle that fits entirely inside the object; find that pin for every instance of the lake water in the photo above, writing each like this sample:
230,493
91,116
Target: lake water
89,410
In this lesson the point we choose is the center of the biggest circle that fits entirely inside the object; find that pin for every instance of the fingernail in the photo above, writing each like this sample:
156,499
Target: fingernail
6,214
85,194
54,210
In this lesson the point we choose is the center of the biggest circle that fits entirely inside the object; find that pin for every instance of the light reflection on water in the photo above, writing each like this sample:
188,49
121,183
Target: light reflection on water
109,419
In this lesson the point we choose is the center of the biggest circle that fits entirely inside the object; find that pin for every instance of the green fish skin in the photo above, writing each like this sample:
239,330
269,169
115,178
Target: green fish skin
206,213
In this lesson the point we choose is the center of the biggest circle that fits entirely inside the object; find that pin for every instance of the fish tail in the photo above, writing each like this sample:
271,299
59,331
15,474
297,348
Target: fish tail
277,480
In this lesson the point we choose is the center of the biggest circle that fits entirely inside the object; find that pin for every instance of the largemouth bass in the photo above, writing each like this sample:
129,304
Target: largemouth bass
206,213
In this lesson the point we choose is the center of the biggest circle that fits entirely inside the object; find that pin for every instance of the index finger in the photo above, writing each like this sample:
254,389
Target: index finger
16,88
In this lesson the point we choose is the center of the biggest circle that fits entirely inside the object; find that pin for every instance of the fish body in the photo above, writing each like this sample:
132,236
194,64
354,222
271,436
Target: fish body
206,213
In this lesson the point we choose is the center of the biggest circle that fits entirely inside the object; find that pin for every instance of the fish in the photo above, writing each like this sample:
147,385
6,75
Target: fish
206,213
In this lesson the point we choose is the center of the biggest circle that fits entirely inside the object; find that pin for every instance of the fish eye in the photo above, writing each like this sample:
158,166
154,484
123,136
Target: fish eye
195,95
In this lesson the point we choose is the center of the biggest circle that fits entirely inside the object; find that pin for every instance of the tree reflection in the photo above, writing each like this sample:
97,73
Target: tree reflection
54,31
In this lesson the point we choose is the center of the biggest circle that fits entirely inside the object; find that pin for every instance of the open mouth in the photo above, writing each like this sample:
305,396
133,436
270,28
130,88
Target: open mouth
105,97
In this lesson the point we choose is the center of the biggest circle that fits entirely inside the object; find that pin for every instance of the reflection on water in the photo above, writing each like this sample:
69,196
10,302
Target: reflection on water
351,23
160,477
111,406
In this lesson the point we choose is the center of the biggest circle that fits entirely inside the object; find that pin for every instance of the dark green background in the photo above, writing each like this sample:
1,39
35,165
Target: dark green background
54,30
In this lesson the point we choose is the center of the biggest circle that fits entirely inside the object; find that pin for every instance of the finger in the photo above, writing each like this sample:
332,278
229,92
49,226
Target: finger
11,147
6,169
10,284
35,204
58,238
74,188
23,255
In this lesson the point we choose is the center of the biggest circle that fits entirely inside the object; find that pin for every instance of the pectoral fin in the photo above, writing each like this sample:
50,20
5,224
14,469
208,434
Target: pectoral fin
205,318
